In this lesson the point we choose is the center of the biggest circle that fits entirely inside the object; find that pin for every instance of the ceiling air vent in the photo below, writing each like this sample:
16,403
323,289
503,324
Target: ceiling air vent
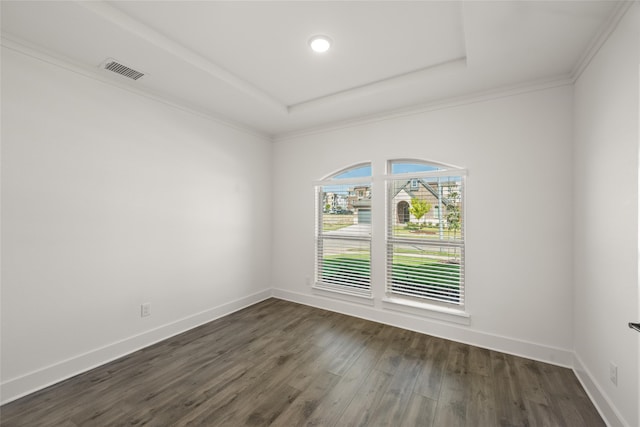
116,67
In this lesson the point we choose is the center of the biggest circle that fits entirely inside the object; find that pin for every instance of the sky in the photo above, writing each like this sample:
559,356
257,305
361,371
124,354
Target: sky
395,168
365,170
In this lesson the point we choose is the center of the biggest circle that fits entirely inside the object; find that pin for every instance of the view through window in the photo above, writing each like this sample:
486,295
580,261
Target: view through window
343,237
424,238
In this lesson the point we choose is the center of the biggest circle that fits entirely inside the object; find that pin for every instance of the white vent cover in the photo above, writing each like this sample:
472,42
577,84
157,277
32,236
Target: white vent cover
114,66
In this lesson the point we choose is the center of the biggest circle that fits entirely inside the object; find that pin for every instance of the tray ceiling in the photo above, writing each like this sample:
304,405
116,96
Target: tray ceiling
249,62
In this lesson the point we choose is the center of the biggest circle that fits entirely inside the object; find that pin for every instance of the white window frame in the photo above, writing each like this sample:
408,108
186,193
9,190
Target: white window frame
416,305
348,290
379,285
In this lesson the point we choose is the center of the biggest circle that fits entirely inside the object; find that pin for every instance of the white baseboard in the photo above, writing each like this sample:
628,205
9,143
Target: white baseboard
21,386
451,331
607,410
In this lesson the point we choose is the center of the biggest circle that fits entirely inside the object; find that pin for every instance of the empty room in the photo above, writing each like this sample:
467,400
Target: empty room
368,213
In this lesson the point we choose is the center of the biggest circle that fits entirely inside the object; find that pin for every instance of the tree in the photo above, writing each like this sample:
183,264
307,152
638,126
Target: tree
453,212
419,208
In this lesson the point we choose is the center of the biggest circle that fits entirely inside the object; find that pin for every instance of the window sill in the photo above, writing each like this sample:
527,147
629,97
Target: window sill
342,294
427,310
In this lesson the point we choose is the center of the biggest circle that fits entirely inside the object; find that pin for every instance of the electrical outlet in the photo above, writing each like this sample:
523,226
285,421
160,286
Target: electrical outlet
613,373
145,309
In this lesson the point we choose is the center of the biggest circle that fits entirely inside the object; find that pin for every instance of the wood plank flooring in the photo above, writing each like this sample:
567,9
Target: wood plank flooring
284,364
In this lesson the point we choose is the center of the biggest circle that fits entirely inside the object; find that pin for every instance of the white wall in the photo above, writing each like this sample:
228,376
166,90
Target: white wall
109,200
517,150
606,221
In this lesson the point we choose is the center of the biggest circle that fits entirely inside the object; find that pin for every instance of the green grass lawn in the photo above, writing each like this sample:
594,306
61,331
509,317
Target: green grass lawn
332,227
425,233
413,276
419,252
346,270
332,222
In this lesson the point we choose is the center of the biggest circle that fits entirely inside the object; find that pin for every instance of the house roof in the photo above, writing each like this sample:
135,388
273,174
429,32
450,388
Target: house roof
407,188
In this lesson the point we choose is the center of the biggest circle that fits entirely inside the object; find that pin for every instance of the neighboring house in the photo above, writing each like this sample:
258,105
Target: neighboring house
357,200
335,201
435,193
360,202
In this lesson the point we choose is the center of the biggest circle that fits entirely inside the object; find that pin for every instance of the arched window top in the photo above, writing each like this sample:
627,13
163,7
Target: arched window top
361,170
416,166
410,166
424,217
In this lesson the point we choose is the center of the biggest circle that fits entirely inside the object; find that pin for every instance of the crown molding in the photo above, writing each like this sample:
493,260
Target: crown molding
600,38
170,46
440,104
38,52
129,24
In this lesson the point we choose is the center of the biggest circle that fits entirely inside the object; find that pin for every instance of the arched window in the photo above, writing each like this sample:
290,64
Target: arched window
343,231
425,239
424,233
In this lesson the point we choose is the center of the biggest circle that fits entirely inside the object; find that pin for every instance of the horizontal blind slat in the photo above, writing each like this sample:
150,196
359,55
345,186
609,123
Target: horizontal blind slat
426,272
344,262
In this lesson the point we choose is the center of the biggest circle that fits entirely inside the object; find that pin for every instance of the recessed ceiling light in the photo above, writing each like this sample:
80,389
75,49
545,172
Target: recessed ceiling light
320,44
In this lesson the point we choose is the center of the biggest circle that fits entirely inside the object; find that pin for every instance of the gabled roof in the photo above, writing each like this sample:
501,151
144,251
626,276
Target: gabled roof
407,188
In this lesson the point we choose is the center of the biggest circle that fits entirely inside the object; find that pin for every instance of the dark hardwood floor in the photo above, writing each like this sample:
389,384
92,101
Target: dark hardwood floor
284,364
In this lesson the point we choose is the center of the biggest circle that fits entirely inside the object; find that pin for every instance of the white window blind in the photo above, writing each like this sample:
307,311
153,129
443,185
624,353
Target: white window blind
345,263
343,232
426,271
425,233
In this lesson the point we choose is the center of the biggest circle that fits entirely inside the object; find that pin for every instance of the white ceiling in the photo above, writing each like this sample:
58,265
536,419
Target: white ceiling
249,62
